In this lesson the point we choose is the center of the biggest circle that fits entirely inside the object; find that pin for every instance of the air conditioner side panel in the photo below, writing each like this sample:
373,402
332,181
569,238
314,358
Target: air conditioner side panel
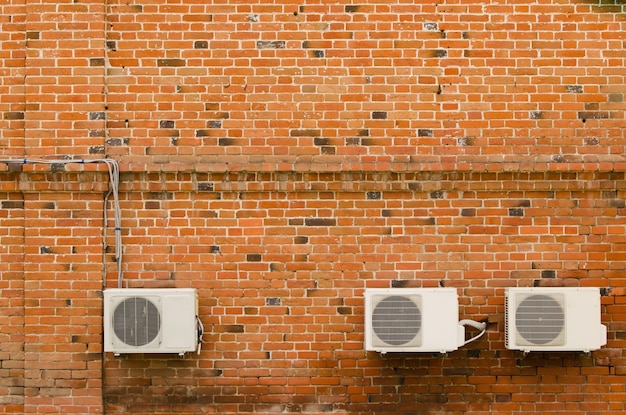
179,322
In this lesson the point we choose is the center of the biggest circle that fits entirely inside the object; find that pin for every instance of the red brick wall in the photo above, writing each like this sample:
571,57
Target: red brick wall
280,157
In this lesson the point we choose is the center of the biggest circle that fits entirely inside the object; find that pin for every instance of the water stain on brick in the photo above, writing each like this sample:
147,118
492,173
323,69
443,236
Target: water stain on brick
45,250
96,150
352,8
214,124
273,301
574,89
159,196
328,150
465,141
615,98
114,142
593,115
57,167
205,186
270,44
591,141
97,133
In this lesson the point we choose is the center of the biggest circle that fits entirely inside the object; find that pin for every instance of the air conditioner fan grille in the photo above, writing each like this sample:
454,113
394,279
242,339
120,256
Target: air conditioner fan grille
540,319
136,321
396,320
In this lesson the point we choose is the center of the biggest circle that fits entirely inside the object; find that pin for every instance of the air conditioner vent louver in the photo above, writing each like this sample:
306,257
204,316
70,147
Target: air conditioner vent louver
397,320
150,320
136,321
548,319
412,320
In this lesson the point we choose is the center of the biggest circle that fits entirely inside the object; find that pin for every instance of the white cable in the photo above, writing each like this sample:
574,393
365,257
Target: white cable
476,325
114,178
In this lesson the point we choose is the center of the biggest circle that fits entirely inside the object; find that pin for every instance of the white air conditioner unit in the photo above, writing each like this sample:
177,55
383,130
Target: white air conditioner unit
150,320
412,320
554,319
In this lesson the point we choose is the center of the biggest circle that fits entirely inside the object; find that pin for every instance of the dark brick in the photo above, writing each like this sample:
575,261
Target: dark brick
97,115
424,132
166,124
96,62
379,115
320,221
214,124
548,273
437,194
32,35
373,195
351,8
254,257
468,212
171,62
301,240
200,44
14,115
12,204
516,212
226,142
305,133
